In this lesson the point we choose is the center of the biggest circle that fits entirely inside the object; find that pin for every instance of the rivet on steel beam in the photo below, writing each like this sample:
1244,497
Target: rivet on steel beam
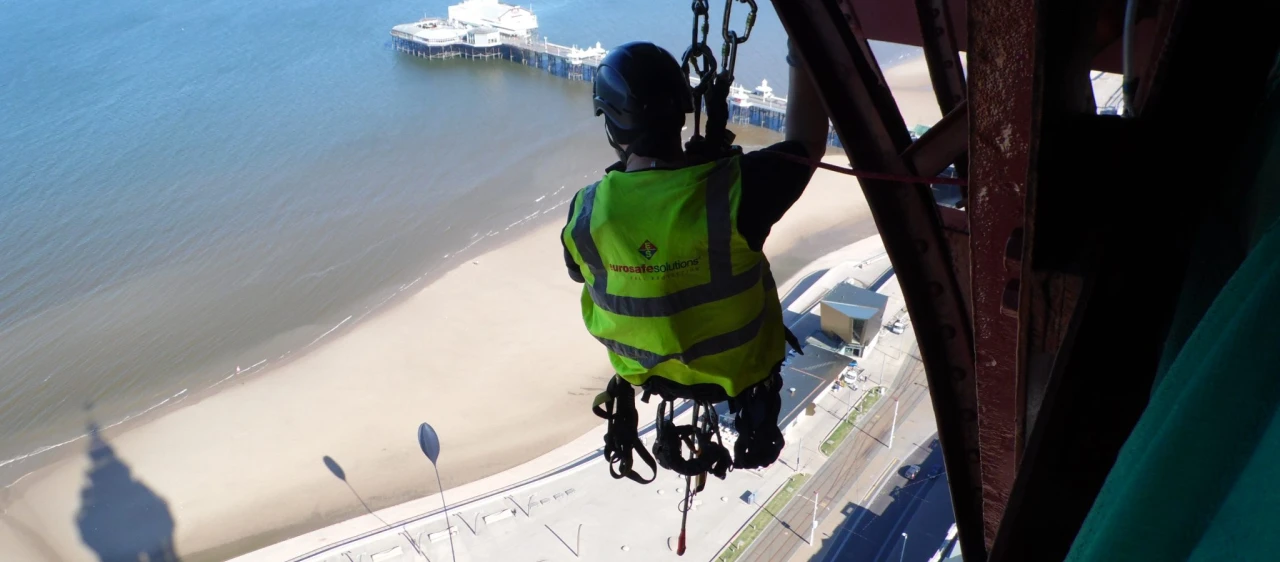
1009,300
1013,248
935,289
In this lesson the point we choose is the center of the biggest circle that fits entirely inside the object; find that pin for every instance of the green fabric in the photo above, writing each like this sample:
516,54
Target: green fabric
1197,478
663,213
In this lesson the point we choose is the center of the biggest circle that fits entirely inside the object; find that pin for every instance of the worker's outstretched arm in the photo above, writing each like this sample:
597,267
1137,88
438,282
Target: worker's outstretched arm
806,116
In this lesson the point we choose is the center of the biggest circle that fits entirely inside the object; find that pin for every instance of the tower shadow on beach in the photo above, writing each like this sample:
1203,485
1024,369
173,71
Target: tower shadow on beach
120,518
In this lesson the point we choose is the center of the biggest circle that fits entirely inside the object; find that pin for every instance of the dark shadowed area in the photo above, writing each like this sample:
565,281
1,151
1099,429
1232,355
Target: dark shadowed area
120,518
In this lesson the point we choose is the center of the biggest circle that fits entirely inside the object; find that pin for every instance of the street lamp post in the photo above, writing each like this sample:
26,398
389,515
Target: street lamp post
893,428
430,444
904,547
813,526
799,447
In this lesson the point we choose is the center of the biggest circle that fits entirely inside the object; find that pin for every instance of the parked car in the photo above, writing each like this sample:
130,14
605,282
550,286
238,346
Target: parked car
851,375
910,472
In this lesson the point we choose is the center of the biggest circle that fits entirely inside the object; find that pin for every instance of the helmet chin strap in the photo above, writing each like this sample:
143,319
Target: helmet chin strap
623,155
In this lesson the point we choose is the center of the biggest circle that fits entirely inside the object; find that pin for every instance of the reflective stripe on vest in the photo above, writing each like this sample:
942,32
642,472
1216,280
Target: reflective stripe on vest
723,284
710,346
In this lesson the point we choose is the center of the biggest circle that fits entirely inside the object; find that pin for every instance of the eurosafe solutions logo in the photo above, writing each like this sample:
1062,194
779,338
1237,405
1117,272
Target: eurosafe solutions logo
648,250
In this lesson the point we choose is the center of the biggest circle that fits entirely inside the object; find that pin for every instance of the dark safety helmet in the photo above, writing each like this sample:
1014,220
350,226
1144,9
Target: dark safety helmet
639,86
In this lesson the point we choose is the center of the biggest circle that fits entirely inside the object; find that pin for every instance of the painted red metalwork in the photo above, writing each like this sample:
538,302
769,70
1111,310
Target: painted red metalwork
938,40
946,73
955,228
941,145
895,21
947,142
1003,37
867,119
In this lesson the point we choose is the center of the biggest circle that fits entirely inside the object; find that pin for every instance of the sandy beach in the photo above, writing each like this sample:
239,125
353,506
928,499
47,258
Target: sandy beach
493,355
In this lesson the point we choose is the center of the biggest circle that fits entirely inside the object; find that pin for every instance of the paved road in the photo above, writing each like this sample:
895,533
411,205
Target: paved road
921,508
832,482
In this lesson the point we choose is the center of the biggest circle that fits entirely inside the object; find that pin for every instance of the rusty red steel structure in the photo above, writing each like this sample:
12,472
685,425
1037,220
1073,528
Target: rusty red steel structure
1010,295
1001,137
898,21
863,111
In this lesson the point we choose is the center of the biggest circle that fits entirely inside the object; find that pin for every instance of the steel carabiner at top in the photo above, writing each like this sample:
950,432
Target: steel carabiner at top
729,52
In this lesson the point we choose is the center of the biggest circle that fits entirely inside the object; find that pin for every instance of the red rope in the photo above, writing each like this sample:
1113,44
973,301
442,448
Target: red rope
873,175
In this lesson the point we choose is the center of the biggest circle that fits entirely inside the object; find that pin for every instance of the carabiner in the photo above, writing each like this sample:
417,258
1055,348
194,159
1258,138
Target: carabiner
729,52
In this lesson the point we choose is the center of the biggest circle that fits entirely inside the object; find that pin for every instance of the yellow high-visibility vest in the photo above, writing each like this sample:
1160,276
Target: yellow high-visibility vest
672,289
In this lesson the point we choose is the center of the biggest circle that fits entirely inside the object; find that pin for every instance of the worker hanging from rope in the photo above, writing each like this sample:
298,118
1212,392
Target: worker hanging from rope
669,248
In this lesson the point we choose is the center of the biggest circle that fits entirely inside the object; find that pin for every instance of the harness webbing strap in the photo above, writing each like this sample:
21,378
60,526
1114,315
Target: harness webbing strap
760,440
617,405
759,443
793,341
706,453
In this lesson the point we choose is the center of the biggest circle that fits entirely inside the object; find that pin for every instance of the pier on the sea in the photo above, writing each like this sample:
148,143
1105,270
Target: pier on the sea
570,63
758,107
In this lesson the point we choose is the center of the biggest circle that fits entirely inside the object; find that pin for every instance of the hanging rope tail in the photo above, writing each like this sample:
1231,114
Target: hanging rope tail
617,406
684,518
688,499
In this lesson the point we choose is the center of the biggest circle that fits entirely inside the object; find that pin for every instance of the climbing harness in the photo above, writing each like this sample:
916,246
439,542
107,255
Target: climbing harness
759,441
702,438
756,419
